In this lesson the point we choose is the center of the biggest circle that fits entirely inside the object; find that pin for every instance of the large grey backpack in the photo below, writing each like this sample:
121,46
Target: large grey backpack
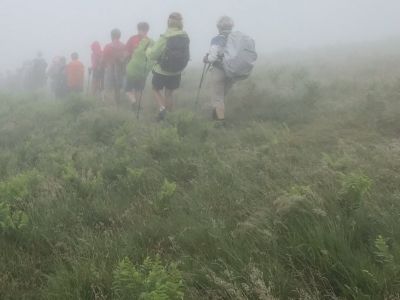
239,55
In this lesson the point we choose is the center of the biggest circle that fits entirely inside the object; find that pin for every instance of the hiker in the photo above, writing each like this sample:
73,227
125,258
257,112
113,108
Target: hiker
37,75
231,56
138,67
142,31
75,74
53,68
58,77
171,54
96,70
114,57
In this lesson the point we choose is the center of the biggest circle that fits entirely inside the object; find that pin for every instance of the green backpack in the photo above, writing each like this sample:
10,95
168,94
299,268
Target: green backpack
139,66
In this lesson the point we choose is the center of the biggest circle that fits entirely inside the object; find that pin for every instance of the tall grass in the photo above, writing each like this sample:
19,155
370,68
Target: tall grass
295,197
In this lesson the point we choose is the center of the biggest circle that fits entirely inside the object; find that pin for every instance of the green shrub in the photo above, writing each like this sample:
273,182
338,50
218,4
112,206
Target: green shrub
295,196
11,220
16,189
382,251
354,186
163,200
149,281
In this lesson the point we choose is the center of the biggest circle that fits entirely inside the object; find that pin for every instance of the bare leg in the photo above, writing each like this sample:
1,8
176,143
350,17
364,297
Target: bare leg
160,99
138,95
128,94
117,95
219,88
169,99
95,87
131,96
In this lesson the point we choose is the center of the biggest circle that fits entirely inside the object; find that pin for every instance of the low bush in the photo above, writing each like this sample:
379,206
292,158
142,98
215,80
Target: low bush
296,196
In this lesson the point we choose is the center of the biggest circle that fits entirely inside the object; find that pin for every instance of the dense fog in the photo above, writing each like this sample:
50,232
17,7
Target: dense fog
252,151
59,27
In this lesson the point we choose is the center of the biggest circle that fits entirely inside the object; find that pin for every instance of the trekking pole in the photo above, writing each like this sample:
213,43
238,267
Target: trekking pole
139,104
206,68
142,90
88,81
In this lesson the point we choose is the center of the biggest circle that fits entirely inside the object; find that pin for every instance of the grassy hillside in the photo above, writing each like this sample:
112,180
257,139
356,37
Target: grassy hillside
297,196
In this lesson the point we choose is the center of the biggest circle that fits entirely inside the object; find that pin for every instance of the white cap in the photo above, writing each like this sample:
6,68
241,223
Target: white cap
225,23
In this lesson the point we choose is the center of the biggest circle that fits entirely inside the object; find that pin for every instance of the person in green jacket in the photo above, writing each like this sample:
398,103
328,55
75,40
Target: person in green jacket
138,67
171,55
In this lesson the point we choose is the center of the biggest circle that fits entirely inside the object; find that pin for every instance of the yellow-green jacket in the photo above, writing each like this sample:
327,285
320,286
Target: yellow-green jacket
139,66
155,52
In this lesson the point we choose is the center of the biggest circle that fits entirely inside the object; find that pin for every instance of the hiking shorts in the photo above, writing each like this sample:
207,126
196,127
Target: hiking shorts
113,79
75,89
98,74
220,85
171,82
134,84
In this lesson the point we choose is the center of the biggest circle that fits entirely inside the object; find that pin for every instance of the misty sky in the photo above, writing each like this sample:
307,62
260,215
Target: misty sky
59,27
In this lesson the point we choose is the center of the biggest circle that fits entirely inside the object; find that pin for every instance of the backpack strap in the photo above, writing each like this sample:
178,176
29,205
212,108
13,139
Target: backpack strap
222,42
148,44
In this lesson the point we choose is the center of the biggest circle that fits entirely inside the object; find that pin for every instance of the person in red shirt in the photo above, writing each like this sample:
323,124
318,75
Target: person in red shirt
134,41
114,57
134,89
96,69
75,74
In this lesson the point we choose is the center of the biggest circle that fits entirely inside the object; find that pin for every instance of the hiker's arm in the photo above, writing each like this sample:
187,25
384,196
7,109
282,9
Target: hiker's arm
213,54
155,51
215,49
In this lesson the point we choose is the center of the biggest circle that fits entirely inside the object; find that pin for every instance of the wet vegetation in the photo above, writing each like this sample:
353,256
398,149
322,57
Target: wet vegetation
296,196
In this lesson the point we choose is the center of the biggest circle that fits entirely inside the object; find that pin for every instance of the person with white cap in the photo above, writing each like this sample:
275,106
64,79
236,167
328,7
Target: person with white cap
232,56
221,84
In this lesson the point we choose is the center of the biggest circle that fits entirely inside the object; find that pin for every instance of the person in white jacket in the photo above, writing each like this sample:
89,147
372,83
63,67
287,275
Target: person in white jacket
221,84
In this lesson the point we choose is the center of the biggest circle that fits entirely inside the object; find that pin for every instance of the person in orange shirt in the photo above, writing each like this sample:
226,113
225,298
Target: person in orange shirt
75,74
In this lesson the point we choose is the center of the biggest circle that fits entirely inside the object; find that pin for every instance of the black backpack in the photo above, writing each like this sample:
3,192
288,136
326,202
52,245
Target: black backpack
176,54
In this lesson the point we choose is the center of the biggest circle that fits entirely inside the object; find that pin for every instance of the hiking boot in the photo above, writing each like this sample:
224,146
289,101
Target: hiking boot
219,124
161,115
